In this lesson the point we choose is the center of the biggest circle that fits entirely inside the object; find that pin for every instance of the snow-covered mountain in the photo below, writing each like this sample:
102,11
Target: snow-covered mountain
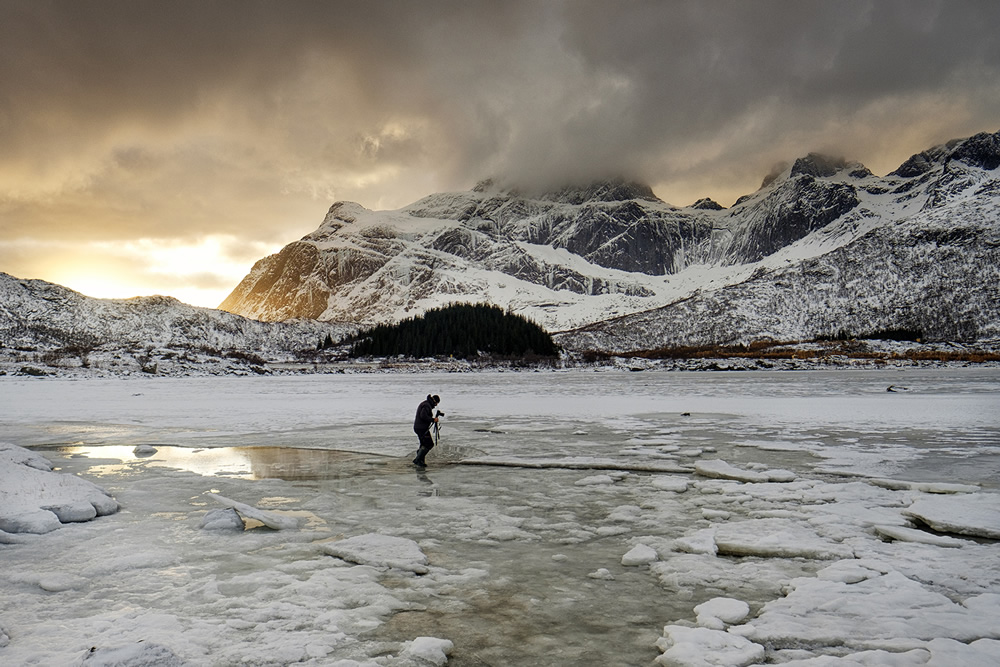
919,253
824,247
37,315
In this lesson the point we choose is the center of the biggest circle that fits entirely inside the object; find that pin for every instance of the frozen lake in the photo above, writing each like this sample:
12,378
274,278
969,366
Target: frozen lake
524,563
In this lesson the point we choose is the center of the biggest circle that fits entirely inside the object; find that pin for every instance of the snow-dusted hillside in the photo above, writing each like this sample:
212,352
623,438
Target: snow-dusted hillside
933,268
823,247
37,316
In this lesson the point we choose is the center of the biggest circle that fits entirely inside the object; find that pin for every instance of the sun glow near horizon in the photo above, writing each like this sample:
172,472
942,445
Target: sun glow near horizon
201,272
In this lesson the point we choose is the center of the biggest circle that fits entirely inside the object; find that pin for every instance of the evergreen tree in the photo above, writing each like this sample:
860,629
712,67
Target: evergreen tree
461,330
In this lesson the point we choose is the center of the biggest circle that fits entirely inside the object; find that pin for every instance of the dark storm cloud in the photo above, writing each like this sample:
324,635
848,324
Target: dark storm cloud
782,70
138,119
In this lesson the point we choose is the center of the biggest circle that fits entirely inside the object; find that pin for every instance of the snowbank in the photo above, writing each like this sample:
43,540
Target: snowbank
34,499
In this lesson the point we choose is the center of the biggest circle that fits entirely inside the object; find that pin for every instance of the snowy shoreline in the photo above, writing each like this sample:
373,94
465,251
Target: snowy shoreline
635,533
166,363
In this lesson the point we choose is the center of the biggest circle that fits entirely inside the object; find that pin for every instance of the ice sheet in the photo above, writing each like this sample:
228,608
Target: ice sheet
523,564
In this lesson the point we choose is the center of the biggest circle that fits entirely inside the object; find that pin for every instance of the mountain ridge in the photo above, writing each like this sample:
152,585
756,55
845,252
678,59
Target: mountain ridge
575,256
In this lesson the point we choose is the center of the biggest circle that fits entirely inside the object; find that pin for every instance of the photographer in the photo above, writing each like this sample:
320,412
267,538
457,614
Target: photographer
422,427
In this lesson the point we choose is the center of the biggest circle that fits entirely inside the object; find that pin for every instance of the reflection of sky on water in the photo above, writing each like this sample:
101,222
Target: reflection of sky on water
287,463
119,460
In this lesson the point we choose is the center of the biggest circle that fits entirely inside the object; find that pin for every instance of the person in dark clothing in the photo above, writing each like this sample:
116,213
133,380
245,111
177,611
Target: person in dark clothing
422,427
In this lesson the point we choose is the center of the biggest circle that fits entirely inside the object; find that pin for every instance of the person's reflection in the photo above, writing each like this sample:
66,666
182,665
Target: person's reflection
422,476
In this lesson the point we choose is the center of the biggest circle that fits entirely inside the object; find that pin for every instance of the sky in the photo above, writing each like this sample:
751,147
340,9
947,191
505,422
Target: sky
152,147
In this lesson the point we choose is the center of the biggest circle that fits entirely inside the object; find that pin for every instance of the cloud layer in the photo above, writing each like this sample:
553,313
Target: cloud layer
129,120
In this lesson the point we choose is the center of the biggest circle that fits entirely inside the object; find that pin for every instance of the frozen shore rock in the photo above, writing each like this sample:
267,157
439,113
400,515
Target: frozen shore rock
34,499
272,520
227,519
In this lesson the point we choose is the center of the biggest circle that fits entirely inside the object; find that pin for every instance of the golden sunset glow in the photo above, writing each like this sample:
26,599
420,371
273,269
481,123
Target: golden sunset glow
202,273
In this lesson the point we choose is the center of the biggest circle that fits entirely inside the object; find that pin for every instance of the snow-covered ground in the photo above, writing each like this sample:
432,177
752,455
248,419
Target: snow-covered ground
567,517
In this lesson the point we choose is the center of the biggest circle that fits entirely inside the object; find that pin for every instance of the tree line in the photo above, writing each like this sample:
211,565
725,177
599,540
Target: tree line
459,330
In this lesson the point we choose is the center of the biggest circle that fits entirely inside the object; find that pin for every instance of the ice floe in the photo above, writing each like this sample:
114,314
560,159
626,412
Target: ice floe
429,649
903,534
977,515
717,613
719,469
703,647
748,564
640,554
925,487
380,551
879,608
776,538
675,484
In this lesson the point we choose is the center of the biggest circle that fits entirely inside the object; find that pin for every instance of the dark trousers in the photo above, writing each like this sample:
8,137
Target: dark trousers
426,444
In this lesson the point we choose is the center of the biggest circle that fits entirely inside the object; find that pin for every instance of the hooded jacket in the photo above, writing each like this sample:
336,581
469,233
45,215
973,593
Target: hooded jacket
425,415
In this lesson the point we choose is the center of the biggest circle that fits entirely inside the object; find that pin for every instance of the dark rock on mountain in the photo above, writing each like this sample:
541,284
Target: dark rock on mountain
981,151
786,214
707,204
817,165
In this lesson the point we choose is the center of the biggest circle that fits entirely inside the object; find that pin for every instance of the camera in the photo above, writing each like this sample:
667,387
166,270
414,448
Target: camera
439,414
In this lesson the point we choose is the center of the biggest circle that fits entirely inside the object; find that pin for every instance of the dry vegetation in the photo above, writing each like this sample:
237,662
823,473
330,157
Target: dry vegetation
817,350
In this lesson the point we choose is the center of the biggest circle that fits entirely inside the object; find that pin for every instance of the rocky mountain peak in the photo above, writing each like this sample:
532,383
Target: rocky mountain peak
708,204
981,151
602,191
816,165
610,190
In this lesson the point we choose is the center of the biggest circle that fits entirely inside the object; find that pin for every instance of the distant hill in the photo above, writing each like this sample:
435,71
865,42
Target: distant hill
61,327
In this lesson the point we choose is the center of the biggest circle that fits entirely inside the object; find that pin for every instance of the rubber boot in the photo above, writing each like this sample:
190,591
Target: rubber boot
419,460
